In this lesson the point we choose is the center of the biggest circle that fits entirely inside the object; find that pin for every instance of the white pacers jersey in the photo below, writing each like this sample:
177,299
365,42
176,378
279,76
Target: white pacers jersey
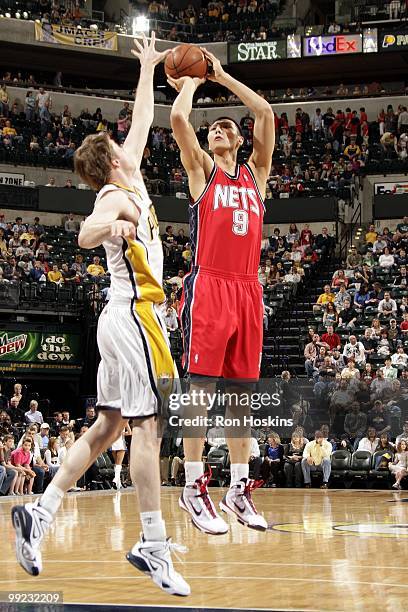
136,266
137,371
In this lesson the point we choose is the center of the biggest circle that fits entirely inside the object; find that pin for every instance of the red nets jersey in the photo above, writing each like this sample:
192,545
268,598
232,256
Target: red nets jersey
226,223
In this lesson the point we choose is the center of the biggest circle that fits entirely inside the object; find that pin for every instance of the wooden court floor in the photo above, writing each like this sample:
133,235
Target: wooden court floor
332,550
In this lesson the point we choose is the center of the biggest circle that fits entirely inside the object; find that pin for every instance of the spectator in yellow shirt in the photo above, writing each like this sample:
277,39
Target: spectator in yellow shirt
95,269
54,275
316,457
186,255
8,130
352,150
323,299
28,235
371,235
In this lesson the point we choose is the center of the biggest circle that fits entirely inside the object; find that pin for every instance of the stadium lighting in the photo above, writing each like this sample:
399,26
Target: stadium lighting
8,15
140,24
18,15
25,15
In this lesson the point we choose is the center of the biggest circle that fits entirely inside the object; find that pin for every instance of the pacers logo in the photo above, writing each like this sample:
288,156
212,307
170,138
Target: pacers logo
388,41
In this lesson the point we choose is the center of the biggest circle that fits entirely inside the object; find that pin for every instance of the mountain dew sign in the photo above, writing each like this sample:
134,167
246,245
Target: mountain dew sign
36,351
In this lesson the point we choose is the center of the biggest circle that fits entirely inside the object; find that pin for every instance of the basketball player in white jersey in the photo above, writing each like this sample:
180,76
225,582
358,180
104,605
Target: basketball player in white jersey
132,341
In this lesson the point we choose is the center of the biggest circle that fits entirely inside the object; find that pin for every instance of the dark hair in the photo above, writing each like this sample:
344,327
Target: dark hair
229,119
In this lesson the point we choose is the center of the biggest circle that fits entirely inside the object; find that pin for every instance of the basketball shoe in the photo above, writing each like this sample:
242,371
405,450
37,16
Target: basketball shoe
31,522
196,500
238,502
154,559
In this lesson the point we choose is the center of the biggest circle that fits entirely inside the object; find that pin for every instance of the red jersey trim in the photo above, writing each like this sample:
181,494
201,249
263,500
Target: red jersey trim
248,167
209,181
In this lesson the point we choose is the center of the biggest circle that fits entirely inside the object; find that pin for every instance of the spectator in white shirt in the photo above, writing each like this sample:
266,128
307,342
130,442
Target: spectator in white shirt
387,307
403,120
370,442
400,358
51,456
355,350
386,260
170,319
44,434
292,277
177,280
43,101
317,121
33,415
71,225
403,435
262,275
390,373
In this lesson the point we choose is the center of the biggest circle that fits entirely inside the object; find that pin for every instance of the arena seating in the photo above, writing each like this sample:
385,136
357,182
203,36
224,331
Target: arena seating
317,156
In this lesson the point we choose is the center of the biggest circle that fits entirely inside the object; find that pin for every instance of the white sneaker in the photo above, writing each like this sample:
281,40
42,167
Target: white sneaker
154,559
238,502
31,522
196,501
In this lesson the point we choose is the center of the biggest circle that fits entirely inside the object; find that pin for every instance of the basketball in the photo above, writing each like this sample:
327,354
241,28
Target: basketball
186,60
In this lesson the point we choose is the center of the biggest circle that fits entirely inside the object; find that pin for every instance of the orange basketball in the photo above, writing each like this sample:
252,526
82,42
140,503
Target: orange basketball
186,60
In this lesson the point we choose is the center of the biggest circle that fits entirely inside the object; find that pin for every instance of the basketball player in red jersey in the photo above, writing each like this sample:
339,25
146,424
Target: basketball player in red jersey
222,308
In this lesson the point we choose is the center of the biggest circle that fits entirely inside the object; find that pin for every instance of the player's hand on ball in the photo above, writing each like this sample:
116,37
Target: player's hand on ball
178,84
217,72
146,53
123,229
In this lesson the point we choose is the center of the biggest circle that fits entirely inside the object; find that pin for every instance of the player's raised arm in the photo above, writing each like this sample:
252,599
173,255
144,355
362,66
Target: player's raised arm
194,159
264,128
143,110
113,216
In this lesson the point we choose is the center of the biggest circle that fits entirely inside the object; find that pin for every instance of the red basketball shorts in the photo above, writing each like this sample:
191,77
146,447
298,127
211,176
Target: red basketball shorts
222,322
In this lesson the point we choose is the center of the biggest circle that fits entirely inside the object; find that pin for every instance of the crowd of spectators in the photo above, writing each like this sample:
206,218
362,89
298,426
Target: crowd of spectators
317,154
359,372
31,449
356,352
29,253
216,21
54,81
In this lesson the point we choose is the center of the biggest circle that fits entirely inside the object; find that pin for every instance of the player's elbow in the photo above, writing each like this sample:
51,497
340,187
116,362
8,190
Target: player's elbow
84,241
266,111
178,120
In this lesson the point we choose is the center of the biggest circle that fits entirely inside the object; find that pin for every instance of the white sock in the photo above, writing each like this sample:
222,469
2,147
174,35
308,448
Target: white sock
154,528
194,470
238,471
118,469
51,498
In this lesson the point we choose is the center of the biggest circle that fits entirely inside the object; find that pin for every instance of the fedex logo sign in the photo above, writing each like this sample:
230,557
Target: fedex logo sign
332,45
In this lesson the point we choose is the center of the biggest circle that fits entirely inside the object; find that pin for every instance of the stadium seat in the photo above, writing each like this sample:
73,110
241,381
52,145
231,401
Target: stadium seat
360,465
340,465
217,462
382,474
